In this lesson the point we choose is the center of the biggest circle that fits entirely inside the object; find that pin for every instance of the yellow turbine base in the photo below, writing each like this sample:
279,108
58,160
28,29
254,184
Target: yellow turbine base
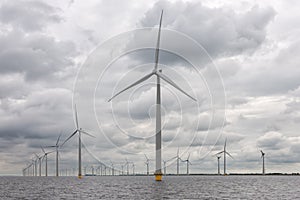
80,176
158,177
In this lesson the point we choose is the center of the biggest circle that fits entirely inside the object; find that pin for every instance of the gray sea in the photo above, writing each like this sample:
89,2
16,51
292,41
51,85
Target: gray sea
143,187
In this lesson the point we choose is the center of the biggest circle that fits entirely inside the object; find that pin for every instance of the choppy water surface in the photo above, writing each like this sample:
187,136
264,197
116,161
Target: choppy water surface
172,187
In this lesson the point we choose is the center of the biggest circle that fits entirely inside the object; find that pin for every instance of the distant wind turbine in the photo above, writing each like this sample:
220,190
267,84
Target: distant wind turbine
187,164
224,152
147,164
112,168
263,159
133,167
35,166
178,159
56,146
39,158
159,75
79,131
127,164
218,157
45,156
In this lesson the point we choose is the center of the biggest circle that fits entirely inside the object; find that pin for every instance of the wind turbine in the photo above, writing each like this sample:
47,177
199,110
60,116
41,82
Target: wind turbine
133,167
122,166
35,167
224,152
79,131
263,158
178,159
165,164
39,159
33,163
127,163
147,164
187,164
159,75
112,168
92,167
218,157
46,158
56,146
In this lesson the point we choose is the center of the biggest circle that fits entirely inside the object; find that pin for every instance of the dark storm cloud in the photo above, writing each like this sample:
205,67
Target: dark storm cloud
28,15
222,31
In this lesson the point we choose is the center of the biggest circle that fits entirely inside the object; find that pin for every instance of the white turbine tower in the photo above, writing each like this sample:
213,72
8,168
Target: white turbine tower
178,159
224,153
56,146
39,158
263,162
147,164
159,75
35,167
45,156
187,164
127,164
112,168
79,131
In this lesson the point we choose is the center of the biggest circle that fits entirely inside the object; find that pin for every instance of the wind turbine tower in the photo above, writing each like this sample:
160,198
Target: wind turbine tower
178,159
218,157
147,164
159,75
187,164
263,159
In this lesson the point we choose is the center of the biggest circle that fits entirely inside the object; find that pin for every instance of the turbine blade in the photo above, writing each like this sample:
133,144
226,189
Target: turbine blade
168,80
57,140
219,153
146,157
178,152
87,133
171,158
188,157
130,86
158,41
76,117
228,154
50,146
43,149
69,137
50,152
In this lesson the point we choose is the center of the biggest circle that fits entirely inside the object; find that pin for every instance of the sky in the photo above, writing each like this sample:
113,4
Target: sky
239,59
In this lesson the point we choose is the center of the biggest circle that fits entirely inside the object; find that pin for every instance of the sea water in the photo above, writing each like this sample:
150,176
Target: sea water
144,187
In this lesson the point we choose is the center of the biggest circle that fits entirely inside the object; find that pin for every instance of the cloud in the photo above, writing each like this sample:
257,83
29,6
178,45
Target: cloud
254,45
271,140
222,31
36,56
28,15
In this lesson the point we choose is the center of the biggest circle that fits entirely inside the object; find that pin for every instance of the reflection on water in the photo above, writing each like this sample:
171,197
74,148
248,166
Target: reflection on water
172,187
